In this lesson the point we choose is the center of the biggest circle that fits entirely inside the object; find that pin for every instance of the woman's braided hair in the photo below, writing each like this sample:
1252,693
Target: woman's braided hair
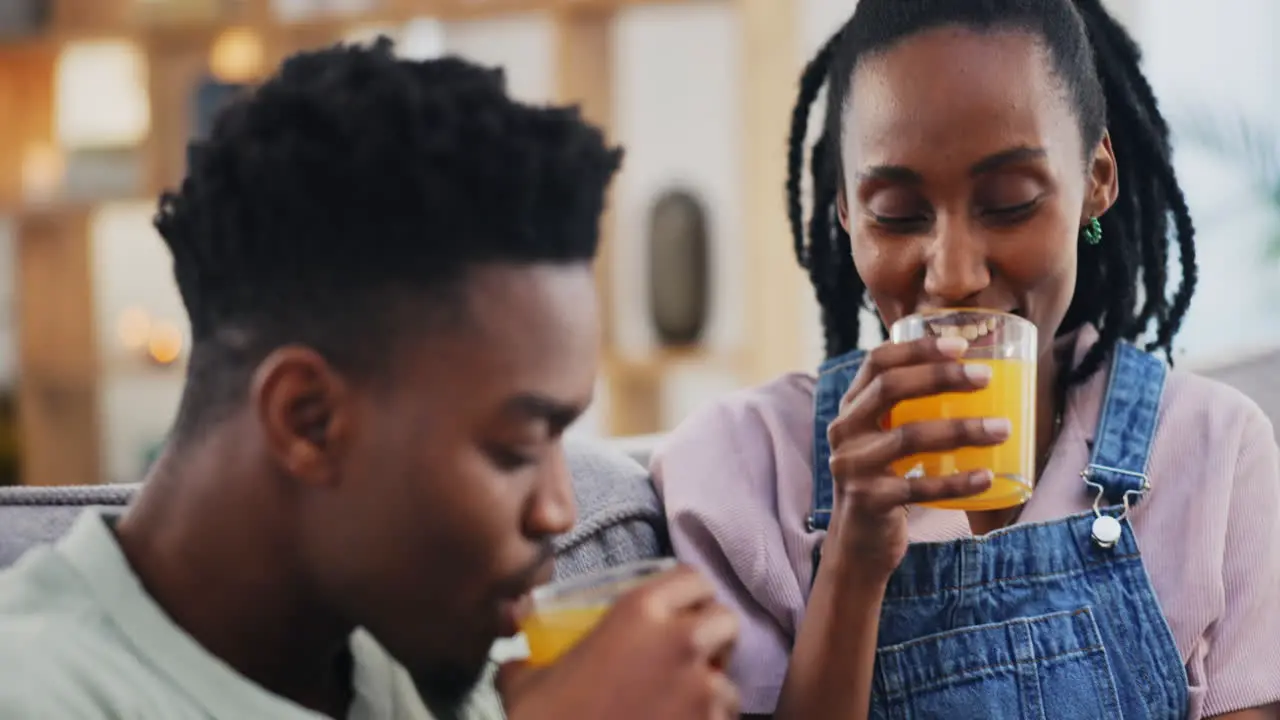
1121,286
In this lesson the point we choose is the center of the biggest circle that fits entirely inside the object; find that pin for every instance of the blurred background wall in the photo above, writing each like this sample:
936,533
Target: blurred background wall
97,99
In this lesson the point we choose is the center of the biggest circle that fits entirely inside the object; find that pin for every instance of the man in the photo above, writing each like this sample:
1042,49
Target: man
387,267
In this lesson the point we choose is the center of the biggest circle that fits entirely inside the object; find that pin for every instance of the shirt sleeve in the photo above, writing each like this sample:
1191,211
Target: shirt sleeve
1243,649
716,477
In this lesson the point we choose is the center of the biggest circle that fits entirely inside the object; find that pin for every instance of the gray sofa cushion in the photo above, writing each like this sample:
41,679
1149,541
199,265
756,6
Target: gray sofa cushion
35,515
637,447
619,516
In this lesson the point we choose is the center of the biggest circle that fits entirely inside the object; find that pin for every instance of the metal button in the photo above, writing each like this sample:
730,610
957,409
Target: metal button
1106,531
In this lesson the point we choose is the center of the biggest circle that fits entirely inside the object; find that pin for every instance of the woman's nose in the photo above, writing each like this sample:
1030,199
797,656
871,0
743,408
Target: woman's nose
956,269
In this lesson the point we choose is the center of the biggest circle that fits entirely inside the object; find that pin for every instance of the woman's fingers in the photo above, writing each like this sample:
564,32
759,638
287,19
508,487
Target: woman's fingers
875,452
950,487
882,494
864,410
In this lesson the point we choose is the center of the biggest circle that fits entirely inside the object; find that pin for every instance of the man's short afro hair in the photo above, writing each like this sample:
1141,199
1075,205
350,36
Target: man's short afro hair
351,179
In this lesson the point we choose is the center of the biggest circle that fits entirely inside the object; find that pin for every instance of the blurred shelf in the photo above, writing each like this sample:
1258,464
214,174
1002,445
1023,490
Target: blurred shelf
58,396
107,20
663,358
635,384
61,354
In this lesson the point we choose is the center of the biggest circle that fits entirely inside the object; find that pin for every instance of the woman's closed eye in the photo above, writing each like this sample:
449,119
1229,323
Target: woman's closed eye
897,209
1008,197
1010,213
900,223
899,217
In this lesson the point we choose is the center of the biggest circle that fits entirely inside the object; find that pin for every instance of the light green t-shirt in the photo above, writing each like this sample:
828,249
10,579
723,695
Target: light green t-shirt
81,640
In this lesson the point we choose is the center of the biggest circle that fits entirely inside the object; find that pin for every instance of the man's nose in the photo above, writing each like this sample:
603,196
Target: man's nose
553,509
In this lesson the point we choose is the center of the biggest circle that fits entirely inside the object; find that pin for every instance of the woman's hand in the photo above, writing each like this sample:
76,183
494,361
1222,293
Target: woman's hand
869,524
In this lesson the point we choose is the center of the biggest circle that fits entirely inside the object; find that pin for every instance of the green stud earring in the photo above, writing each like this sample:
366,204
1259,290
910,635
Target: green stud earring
1093,232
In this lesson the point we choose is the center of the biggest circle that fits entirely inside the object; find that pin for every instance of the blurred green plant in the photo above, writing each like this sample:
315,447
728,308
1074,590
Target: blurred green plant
1250,145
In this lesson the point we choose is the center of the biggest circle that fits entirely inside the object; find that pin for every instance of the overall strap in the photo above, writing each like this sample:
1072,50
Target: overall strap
1126,427
834,377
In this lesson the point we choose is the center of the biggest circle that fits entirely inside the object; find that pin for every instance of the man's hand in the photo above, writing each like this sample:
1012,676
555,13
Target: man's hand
660,652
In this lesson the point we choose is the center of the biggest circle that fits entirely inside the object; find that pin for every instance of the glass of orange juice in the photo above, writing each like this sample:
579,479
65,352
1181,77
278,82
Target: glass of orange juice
564,612
1007,344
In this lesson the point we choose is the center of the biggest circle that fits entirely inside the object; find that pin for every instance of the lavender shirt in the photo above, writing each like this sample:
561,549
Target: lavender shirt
736,480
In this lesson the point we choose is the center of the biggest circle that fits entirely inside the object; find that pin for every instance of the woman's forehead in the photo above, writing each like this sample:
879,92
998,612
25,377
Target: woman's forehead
958,94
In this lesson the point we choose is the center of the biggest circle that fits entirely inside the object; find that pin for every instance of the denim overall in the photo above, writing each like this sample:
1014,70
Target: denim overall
1037,620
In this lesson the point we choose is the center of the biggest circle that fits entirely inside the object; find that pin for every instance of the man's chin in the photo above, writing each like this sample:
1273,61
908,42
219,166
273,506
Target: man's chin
446,687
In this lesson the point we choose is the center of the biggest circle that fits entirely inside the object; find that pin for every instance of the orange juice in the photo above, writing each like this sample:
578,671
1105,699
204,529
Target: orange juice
551,633
1010,394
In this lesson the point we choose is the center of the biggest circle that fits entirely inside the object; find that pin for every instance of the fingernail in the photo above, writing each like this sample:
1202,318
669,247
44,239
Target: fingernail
953,346
980,480
997,427
978,372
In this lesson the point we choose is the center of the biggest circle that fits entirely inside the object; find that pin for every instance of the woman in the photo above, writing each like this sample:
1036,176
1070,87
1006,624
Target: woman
1005,154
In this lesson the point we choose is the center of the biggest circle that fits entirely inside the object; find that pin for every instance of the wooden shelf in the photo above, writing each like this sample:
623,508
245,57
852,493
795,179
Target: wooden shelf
58,398
26,94
89,19
73,16
770,67
635,385
59,362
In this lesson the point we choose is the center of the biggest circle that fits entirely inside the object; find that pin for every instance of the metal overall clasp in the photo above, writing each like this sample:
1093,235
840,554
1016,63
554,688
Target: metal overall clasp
1107,530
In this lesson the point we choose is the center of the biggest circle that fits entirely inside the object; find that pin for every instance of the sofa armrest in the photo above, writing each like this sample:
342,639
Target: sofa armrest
620,518
31,516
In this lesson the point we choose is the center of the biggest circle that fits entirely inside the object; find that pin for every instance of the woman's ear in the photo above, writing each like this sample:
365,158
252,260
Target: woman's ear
842,210
1104,182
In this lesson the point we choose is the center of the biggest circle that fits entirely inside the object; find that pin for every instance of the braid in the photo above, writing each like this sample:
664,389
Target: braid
827,255
838,286
811,81
1149,196
1122,283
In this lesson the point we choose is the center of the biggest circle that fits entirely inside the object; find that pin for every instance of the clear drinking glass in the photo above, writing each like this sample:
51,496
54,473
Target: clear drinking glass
564,612
1007,344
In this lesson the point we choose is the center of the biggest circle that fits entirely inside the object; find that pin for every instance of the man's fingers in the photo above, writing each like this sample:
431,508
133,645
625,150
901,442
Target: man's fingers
513,677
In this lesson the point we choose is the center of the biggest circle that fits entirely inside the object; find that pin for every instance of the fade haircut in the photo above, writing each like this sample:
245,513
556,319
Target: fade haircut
352,192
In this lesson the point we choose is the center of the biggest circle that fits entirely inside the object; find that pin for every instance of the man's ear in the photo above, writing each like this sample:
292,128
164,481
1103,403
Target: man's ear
304,407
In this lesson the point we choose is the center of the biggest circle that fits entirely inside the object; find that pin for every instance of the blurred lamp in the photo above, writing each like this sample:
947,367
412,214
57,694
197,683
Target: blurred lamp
101,98
237,56
157,342
43,170
134,328
422,39
164,344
